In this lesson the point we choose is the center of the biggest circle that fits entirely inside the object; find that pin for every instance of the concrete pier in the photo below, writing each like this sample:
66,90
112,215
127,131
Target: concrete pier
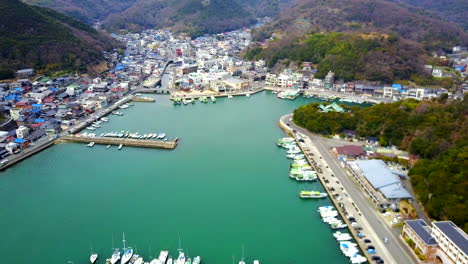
143,99
196,95
124,141
95,116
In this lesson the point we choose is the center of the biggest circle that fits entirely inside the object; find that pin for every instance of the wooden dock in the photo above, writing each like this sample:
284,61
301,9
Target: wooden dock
124,141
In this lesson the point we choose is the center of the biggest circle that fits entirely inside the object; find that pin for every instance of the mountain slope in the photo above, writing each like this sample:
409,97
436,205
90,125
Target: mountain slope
193,16
450,10
85,10
366,16
42,38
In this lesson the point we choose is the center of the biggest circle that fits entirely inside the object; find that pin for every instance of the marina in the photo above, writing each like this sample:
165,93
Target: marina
154,195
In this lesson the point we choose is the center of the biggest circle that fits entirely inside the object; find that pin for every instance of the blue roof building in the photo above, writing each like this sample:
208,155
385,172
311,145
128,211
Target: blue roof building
383,179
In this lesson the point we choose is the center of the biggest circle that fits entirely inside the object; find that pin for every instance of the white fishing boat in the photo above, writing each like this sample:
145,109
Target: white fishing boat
229,96
104,119
181,258
108,146
256,262
357,259
342,236
312,194
338,225
163,256
169,261
91,128
242,261
120,146
128,252
115,256
161,136
247,94
213,99
94,256
90,145
139,260
196,260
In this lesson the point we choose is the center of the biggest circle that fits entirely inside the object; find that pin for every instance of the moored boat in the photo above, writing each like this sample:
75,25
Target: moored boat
312,194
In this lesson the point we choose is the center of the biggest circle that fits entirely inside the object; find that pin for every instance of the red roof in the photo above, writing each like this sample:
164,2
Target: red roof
350,150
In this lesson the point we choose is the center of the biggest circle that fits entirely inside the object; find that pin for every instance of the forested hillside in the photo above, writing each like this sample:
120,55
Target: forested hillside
86,11
351,56
433,131
365,16
450,10
195,17
44,39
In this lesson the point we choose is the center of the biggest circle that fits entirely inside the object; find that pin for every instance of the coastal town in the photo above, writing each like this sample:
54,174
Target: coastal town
371,194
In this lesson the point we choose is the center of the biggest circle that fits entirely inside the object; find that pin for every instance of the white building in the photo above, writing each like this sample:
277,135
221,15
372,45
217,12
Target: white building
22,132
453,243
436,72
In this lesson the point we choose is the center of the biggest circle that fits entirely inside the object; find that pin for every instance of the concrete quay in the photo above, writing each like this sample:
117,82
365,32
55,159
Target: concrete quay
124,141
319,93
353,200
16,158
143,99
340,207
196,95
82,125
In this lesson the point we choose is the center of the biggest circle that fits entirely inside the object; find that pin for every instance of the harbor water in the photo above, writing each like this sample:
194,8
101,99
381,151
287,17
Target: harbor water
224,186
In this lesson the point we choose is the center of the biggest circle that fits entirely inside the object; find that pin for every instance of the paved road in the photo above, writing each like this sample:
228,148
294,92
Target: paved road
393,251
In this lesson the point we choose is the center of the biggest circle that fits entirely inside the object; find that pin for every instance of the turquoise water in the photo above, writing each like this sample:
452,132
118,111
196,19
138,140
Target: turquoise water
225,185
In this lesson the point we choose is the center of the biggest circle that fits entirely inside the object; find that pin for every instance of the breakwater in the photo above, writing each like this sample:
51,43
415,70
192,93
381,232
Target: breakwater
124,141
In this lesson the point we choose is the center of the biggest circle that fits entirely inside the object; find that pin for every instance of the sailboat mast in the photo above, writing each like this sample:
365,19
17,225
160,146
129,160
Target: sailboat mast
180,249
123,241
242,251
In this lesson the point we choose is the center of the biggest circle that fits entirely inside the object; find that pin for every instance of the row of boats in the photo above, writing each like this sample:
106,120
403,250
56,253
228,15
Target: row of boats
202,99
300,169
347,247
330,216
130,257
137,135
91,144
97,124
291,95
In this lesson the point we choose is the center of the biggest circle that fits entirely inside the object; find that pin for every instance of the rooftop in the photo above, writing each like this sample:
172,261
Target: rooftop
422,230
382,178
454,233
350,150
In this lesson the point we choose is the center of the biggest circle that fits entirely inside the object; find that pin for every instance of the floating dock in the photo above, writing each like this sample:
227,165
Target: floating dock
124,141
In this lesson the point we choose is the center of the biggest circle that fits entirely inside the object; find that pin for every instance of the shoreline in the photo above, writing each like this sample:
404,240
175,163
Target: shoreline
332,198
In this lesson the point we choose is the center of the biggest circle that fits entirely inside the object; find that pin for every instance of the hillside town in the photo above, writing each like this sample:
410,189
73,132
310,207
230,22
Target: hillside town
39,109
